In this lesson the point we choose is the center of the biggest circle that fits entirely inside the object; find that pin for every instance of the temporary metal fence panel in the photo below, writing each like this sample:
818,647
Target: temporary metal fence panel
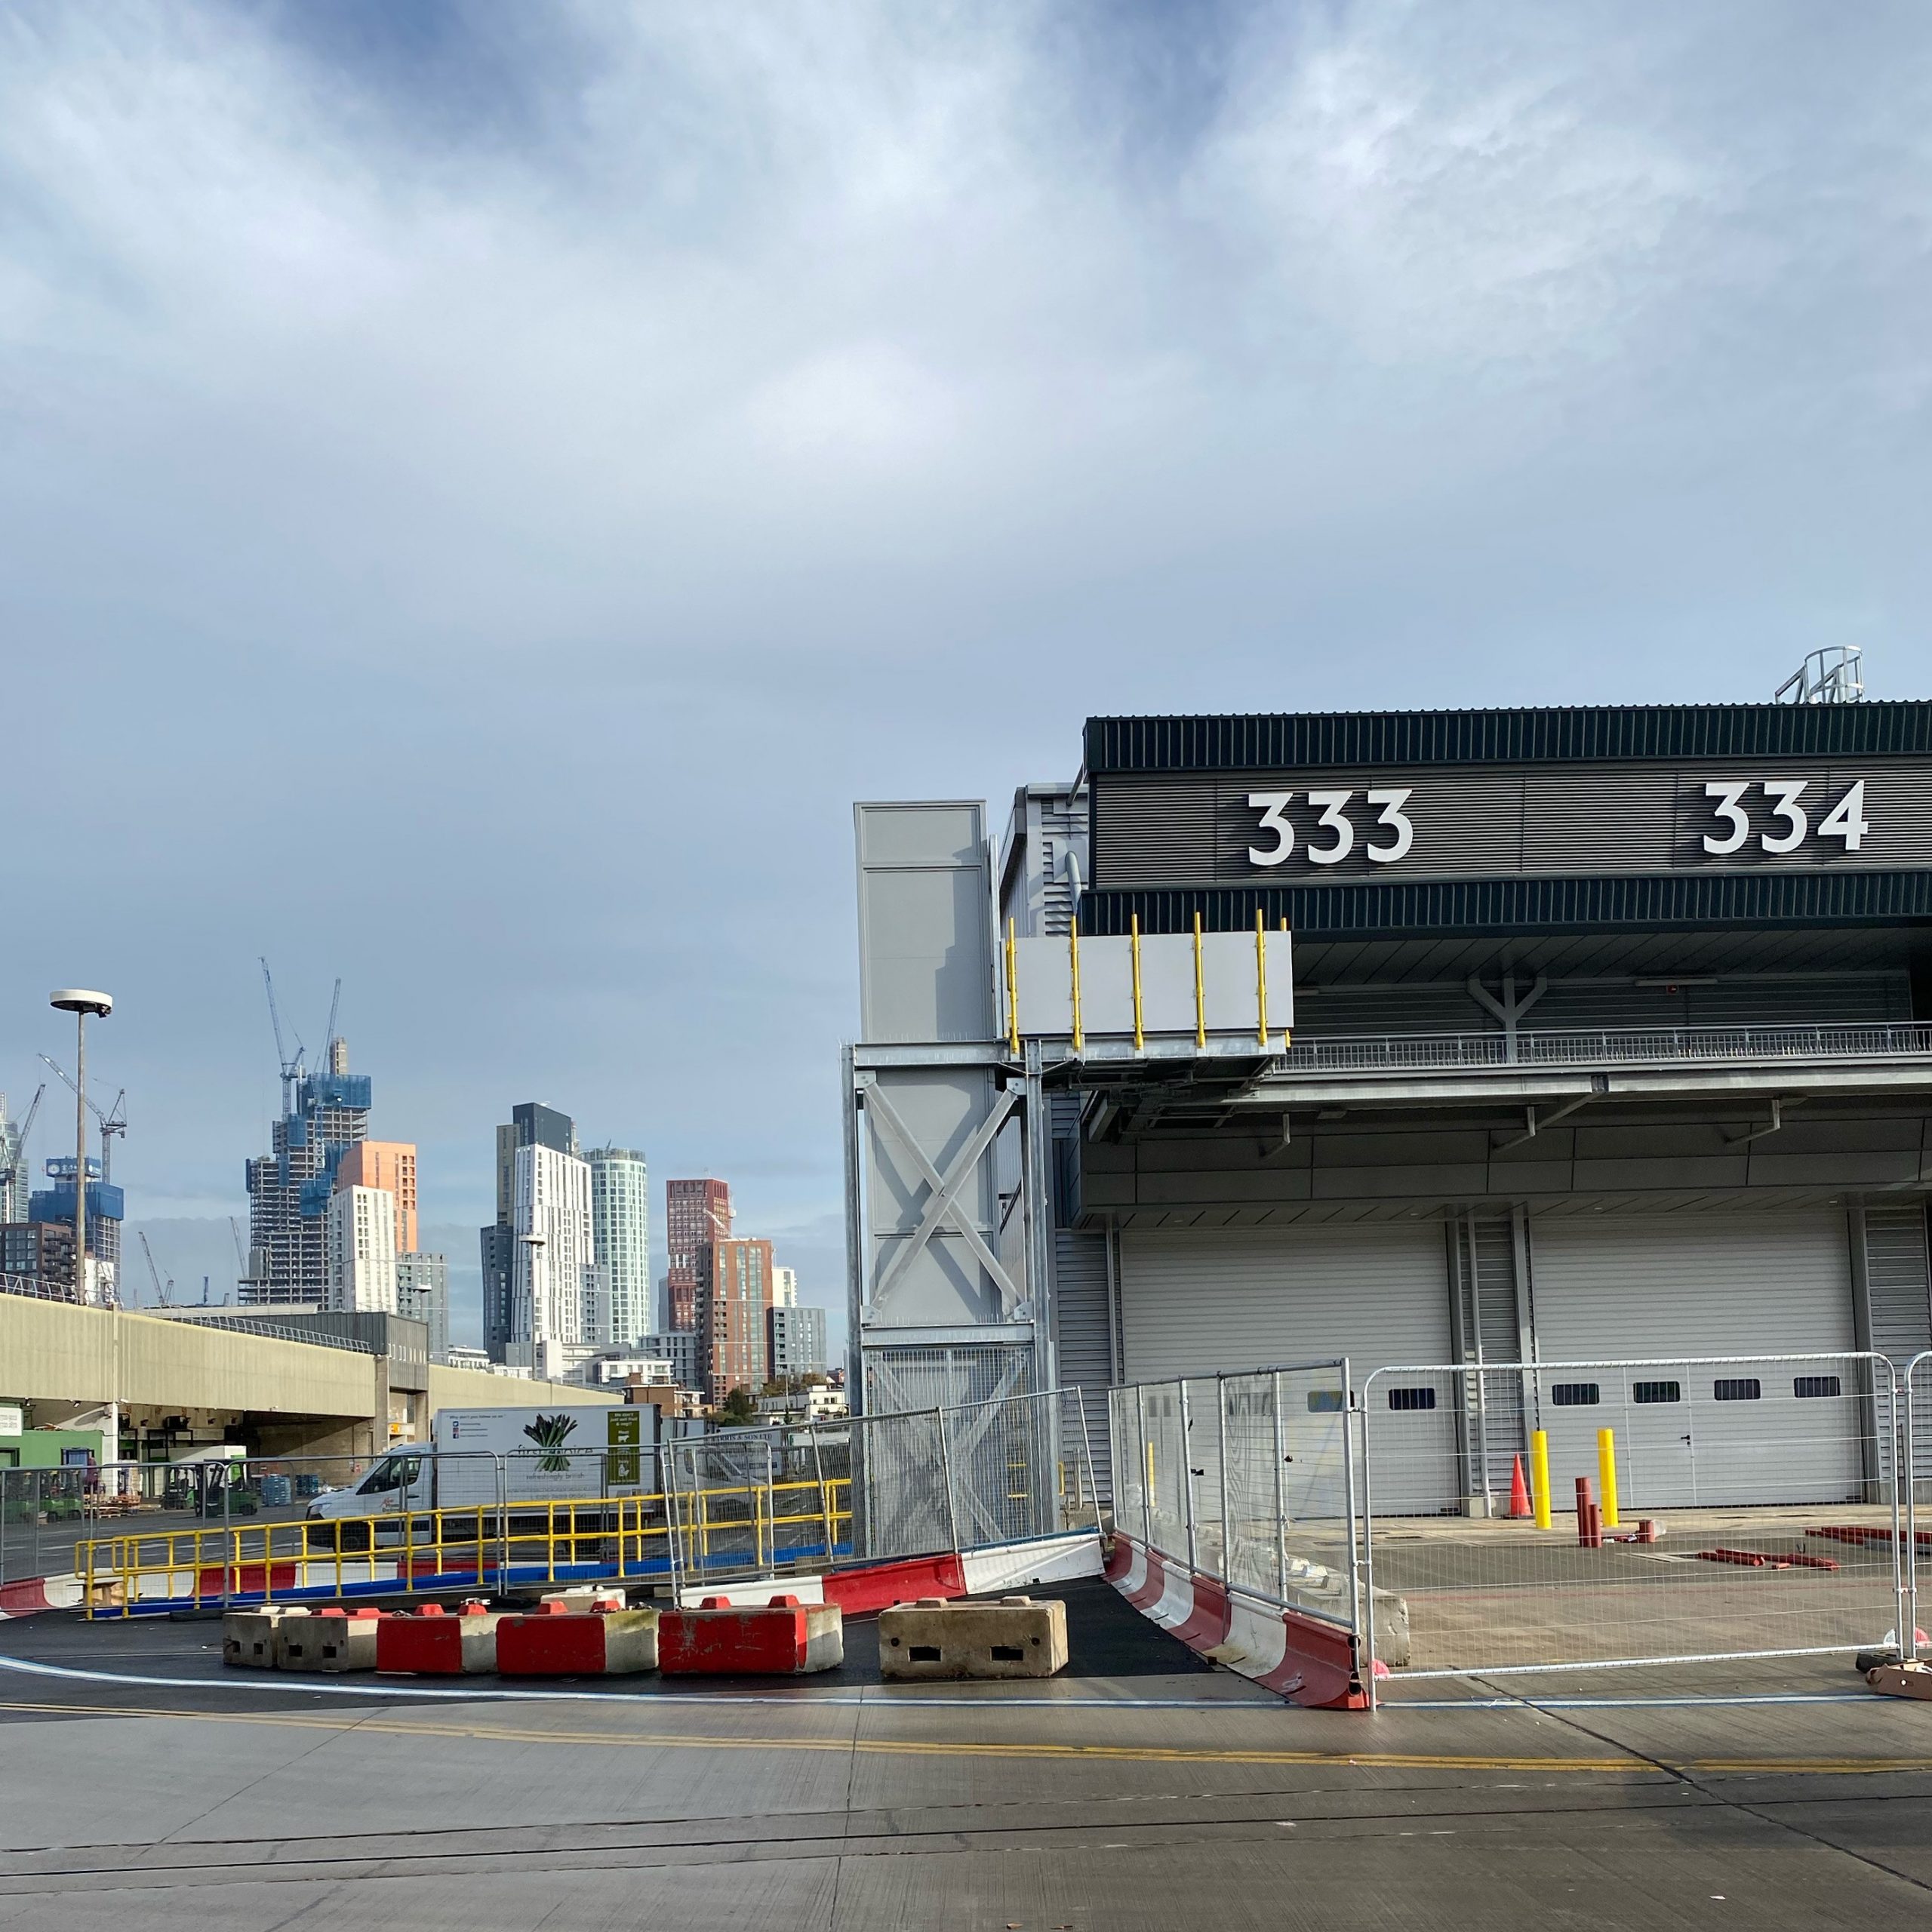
921,1483
1914,1404
1766,1480
1247,1478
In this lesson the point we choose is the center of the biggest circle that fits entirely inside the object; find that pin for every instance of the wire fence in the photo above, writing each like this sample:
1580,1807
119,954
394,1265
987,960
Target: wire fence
1562,1516
1247,1478
921,1483
695,1512
1467,1521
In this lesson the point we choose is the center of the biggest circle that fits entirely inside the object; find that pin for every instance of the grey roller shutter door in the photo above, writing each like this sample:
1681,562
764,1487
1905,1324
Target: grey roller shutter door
1199,1303
1688,1286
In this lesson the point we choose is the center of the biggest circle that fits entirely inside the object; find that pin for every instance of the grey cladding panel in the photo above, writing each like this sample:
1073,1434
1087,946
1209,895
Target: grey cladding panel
925,933
1154,830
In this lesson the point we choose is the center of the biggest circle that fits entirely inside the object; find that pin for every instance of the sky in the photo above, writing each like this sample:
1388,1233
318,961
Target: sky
484,488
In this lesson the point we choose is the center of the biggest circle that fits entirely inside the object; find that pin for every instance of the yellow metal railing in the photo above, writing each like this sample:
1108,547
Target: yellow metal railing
742,1525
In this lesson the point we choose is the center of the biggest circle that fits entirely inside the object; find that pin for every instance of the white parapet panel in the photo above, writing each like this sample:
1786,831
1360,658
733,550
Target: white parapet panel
1230,986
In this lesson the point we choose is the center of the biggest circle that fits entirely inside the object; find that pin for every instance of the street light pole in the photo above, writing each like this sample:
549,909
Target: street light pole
80,1002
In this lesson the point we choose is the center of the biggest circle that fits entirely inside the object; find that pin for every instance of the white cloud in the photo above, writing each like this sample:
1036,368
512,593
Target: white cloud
504,523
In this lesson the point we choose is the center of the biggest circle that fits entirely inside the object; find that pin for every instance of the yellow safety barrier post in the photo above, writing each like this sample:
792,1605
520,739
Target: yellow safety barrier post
1199,990
1012,989
1539,1475
1133,953
1287,1033
1073,956
1607,1475
1261,981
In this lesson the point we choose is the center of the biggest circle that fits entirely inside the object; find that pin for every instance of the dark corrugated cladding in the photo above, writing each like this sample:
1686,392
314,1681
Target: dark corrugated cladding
1563,733
1503,906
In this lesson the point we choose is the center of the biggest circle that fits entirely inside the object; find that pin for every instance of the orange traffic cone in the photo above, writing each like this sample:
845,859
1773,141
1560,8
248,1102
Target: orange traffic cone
1519,1491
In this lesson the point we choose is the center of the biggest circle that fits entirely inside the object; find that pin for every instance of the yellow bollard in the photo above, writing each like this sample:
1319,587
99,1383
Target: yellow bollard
1607,1476
1539,1475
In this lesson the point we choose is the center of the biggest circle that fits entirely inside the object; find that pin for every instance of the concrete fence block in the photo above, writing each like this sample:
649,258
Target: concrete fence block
247,1636
331,1641
1016,1637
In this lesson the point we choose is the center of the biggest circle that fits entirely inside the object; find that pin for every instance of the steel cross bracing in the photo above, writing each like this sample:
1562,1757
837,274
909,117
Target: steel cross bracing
941,1204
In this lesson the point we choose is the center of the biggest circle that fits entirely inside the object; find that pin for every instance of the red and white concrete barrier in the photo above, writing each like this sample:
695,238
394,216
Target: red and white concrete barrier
1299,1657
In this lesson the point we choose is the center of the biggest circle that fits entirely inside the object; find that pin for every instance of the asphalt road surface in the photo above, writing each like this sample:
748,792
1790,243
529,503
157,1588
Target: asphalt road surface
1139,1791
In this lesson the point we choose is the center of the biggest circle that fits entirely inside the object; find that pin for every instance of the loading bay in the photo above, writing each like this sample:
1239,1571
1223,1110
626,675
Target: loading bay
1142,1789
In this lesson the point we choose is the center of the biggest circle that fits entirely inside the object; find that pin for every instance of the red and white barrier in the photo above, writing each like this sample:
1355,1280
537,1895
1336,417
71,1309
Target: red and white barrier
1298,1657
860,1589
31,1595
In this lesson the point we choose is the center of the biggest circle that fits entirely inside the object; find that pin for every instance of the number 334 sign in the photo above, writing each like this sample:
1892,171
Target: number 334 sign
1782,797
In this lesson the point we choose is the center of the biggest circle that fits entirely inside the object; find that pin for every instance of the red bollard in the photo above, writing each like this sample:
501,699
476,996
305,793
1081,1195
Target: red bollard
1590,1519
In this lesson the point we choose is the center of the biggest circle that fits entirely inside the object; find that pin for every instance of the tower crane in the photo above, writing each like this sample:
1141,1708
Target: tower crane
328,1038
292,1070
113,1122
166,1294
17,1161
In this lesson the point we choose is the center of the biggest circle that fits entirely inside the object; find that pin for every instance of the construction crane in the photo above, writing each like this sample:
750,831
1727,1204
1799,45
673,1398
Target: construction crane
328,1038
10,1174
165,1294
114,1121
292,1070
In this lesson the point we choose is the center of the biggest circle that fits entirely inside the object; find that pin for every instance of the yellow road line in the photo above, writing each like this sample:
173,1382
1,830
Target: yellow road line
1096,1753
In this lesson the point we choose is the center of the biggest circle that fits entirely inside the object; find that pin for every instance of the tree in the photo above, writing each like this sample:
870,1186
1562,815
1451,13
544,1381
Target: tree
737,1409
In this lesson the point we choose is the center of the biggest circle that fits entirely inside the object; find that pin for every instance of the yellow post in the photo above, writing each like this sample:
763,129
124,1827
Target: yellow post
1150,1471
1261,982
1133,950
1539,1475
1199,990
1073,957
1288,1033
1012,990
1607,1475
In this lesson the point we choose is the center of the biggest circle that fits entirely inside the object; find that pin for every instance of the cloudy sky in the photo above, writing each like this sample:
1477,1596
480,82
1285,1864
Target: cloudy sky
483,487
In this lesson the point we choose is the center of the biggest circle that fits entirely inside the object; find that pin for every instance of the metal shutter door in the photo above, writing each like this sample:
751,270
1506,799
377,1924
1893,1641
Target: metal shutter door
1730,1284
1195,1302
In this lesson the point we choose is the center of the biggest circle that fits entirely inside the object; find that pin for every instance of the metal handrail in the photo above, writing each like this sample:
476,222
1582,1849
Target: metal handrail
432,1547
1602,1045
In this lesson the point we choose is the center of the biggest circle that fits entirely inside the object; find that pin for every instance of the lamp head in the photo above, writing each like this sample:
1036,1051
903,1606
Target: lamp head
78,999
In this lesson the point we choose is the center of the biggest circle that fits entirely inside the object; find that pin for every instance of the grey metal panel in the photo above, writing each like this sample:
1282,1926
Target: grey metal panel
1607,1288
945,1283
1199,1301
1083,1328
1154,831
1898,1293
925,939
1164,827
1901,1297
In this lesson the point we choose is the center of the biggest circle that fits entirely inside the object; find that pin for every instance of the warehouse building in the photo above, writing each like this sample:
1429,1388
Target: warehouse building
1606,1033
